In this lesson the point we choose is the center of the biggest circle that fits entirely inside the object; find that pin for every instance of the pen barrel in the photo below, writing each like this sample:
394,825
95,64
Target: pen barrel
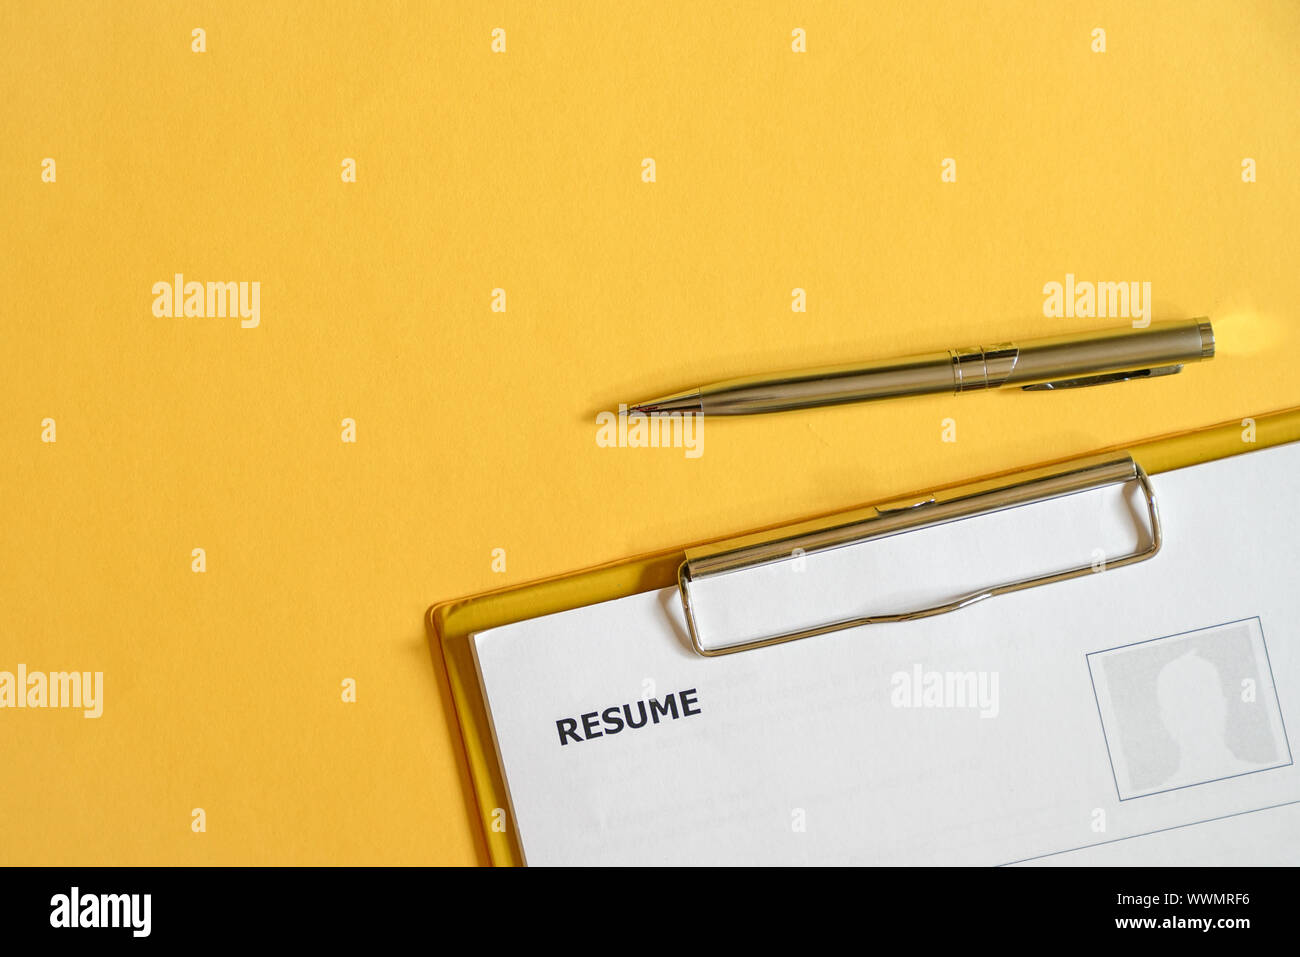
1125,350
915,375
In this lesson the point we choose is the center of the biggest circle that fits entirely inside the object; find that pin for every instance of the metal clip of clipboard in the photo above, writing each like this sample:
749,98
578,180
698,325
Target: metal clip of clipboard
868,524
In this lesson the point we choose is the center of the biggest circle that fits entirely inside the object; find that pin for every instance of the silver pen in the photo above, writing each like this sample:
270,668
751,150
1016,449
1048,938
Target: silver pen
1060,362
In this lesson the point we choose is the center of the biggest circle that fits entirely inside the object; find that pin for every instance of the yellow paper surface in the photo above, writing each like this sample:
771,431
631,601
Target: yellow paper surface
476,430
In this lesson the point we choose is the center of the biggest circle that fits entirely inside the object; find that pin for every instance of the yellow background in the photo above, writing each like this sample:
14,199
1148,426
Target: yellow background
476,430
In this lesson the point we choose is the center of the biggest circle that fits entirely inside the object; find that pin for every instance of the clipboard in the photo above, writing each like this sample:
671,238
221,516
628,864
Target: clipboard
451,623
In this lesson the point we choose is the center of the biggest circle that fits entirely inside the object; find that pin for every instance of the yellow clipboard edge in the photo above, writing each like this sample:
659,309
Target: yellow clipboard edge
450,623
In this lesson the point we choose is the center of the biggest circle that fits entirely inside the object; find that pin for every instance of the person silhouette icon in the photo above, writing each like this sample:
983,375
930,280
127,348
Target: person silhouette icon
1194,710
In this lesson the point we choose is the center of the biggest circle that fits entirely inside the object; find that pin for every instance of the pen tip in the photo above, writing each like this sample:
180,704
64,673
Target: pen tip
683,402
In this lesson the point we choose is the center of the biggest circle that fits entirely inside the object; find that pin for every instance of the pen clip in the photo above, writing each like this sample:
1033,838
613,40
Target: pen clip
1102,379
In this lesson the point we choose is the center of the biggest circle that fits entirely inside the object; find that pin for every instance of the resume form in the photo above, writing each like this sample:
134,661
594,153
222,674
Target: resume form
1135,716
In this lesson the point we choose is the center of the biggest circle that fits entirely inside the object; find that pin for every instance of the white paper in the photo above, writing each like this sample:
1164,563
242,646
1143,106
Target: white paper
1138,716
